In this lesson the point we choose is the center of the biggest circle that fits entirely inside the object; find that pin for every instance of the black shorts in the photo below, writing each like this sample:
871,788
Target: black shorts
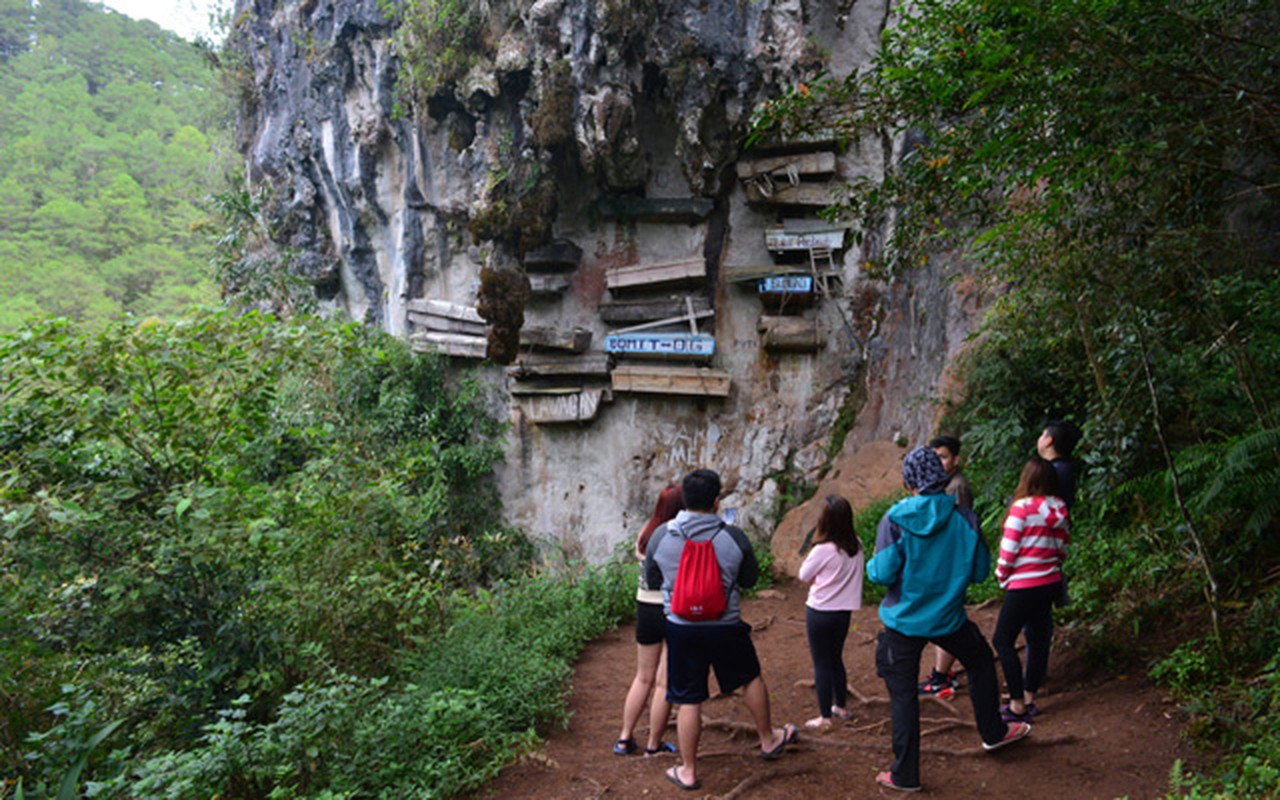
693,650
651,623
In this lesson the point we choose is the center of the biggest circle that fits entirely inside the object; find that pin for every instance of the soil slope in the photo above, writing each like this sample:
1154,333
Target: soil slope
1098,736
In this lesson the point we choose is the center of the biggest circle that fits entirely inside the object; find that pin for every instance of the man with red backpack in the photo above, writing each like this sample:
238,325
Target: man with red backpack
705,630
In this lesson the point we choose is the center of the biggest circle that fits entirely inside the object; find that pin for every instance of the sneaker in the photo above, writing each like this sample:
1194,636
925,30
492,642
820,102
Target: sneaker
941,685
1017,730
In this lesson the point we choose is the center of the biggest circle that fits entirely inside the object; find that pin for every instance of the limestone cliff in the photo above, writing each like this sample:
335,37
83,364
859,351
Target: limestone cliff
584,173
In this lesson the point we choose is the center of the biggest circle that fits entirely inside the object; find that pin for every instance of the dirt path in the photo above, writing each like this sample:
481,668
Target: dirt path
1098,736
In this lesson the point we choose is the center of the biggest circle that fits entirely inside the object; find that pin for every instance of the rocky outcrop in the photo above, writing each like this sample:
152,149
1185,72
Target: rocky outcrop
613,126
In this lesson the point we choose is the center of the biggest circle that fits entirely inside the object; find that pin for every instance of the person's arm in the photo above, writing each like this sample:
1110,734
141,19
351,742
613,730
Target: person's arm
652,572
885,567
749,569
1010,543
813,563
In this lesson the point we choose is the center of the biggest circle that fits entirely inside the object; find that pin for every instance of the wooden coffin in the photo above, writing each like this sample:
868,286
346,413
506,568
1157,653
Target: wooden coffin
549,283
661,345
560,255
459,345
785,166
627,312
655,209
686,270
819,195
446,317
573,340
782,240
533,365
787,291
659,379
754,272
580,406
791,334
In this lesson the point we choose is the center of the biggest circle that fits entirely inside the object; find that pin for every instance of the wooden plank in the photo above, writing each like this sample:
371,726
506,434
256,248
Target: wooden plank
529,365
646,379
578,407
453,344
553,283
443,308
791,334
432,322
821,163
545,386
657,209
753,272
573,340
623,312
661,345
681,271
801,194
556,255
779,239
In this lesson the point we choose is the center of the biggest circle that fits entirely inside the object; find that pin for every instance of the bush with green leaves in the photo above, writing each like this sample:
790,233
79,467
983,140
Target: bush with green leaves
228,506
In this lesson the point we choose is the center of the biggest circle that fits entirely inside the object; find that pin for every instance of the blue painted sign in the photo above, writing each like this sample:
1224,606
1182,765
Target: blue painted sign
786,284
688,345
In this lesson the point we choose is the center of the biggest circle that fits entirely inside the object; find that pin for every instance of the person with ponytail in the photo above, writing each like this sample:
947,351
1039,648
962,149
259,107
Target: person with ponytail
650,682
833,569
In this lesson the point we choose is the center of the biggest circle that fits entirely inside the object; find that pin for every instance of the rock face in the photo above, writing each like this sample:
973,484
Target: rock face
585,170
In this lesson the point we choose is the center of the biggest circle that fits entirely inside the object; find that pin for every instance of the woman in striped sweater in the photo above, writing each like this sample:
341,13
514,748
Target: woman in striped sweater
1029,568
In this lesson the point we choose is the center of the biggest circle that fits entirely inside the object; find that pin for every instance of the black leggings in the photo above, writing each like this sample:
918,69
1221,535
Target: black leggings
1029,610
827,631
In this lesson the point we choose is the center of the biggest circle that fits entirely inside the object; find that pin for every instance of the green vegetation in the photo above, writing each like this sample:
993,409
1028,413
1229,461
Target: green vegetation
438,42
112,134
1112,168
228,539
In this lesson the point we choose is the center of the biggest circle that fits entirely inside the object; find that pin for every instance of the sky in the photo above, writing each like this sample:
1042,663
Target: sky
189,18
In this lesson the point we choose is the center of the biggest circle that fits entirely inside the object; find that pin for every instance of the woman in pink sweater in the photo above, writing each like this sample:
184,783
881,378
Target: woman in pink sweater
1029,568
834,568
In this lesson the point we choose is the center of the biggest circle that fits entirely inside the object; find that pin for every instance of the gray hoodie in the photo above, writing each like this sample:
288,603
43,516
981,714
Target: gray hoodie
738,566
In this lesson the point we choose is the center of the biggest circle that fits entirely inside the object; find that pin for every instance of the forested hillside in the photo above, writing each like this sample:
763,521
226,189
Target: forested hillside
113,135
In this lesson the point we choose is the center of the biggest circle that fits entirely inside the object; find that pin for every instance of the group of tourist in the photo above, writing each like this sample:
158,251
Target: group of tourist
928,550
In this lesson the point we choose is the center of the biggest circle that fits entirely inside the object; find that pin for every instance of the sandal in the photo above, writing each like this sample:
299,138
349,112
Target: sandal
624,747
673,775
885,779
790,735
841,713
663,747
1009,715
818,724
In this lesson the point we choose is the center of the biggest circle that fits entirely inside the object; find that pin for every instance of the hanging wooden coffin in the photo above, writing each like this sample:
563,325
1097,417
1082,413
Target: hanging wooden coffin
655,209
560,255
446,317
581,406
573,340
629,312
787,167
791,334
781,240
819,195
459,345
659,379
551,283
661,345
687,270
535,365
786,291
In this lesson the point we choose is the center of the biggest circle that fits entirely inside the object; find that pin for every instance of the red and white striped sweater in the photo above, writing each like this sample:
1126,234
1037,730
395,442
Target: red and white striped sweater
1034,543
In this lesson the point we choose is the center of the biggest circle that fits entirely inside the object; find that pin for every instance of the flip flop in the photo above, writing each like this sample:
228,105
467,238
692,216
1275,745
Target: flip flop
790,735
673,775
663,747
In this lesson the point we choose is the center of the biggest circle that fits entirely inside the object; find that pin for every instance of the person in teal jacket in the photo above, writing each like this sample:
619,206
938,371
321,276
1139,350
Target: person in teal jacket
928,551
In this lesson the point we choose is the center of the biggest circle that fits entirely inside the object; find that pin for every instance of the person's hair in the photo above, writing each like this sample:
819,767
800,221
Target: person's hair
670,501
950,442
701,488
1038,479
1065,435
835,525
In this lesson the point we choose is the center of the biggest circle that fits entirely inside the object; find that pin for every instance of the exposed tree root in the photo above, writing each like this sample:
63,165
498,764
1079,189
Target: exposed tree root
764,777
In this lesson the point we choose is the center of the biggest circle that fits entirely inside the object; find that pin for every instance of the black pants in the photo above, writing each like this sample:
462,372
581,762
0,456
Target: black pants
827,631
1031,611
898,662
